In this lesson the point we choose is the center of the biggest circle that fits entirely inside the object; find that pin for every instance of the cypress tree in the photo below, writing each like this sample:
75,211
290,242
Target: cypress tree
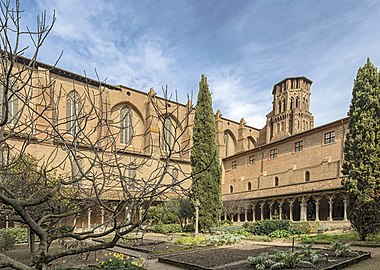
362,152
206,169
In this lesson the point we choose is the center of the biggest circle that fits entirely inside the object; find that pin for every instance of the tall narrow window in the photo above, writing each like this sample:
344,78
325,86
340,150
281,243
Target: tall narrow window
291,103
12,102
167,134
174,179
307,176
276,181
231,189
226,143
74,113
284,105
126,127
297,102
249,186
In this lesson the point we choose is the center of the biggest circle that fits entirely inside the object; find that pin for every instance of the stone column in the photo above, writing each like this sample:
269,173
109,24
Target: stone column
317,210
245,214
303,208
262,211
345,210
291,211
270,211
331,204
254,212
238,215
6,222
280,209
89,219
225,216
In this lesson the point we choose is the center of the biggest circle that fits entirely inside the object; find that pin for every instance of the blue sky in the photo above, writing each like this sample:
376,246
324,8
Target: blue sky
244,47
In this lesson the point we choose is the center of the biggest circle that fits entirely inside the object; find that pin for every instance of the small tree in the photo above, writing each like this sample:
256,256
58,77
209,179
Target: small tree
362,152
206,186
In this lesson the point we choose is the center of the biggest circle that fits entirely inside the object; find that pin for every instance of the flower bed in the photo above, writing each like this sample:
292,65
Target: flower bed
232,258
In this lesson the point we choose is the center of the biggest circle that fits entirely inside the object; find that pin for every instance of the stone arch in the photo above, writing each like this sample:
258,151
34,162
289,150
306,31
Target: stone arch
230,142
137,124
251,142
307,176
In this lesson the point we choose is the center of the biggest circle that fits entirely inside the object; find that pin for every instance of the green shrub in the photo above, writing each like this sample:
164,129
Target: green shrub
266,227
7,240
279,260
167,228
236,230
117,261
280,234
331,237
224,239
190,241
339,249
20,234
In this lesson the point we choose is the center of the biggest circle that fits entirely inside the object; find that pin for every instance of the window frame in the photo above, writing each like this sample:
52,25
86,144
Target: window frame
234,164
329,137
273,153
251,159
298,146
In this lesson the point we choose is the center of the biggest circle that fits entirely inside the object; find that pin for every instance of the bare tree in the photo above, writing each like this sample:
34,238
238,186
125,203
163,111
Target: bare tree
83,165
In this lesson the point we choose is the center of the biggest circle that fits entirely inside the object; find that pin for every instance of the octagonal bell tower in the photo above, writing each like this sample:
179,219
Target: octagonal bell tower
291,109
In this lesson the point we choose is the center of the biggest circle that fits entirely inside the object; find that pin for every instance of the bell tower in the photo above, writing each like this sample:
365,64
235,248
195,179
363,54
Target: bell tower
291,109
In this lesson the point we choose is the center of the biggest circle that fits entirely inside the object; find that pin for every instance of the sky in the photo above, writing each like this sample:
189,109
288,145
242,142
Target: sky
244,47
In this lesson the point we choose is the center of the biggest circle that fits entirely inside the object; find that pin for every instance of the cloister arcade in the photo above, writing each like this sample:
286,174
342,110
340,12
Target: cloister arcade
303,207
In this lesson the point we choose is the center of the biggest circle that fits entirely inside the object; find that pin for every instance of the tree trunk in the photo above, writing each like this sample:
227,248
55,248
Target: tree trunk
31,241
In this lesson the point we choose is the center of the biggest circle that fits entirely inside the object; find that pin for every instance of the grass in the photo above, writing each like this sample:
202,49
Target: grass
258,238
342,237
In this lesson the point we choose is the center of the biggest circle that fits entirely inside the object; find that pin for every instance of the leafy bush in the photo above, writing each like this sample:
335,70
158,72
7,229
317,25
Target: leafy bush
7,240
189,228
265,227
224,239
236,230
339,249
190,241
20,234
167,228
279,260
120,261
261,262
280,234
309,251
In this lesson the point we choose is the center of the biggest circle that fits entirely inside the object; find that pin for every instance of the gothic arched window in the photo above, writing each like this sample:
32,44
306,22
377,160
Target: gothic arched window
276,181
307,176
249,186
74,113
231,189
167,134
126,126
226,143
